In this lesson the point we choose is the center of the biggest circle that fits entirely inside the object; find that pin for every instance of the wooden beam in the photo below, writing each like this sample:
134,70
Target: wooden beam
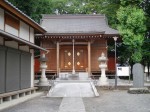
8,39
57,56
76,43
21,44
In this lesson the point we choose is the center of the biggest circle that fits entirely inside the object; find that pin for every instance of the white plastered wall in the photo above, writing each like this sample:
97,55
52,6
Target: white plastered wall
31,35
11,30
32,67
24,48
11,44
1,19
24,31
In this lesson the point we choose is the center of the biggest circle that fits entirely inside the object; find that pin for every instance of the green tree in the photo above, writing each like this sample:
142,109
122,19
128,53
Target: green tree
132,27
41,7
33,8
109,8
146,46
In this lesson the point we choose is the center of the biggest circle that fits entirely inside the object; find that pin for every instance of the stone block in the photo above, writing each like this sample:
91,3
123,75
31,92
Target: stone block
138,75
16,96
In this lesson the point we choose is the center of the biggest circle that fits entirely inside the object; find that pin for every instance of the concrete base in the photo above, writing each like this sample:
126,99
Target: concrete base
144,90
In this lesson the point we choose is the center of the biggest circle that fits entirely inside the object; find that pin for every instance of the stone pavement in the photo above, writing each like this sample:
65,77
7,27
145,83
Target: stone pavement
72,105
72,89
108,101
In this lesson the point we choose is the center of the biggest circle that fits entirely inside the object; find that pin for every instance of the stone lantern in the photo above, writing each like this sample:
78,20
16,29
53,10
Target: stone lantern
43,80
103,65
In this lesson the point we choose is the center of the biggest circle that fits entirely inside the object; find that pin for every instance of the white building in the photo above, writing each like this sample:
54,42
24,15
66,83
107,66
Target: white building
16,48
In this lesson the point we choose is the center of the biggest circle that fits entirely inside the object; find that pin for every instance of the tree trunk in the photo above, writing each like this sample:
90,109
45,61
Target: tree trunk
131,70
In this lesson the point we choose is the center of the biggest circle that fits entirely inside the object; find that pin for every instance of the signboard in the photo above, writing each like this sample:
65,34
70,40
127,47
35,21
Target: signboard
123,71
146,69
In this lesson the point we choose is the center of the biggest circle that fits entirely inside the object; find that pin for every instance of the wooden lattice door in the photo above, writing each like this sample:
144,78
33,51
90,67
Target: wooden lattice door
80,58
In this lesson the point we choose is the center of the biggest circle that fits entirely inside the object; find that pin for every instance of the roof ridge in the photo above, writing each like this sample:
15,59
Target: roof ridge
71,15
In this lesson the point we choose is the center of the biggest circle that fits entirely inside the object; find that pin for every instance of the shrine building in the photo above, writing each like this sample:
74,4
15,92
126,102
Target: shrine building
75,42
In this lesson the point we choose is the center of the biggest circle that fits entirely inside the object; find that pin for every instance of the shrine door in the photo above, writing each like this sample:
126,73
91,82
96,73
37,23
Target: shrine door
80,58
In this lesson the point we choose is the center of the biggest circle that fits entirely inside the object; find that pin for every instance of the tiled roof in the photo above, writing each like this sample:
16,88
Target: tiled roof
76,24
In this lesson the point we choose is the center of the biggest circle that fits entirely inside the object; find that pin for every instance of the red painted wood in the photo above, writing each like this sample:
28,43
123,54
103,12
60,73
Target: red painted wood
36,65
111,64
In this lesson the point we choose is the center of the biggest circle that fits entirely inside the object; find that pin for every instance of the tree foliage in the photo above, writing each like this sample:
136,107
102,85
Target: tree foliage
132,28
34,8
146,47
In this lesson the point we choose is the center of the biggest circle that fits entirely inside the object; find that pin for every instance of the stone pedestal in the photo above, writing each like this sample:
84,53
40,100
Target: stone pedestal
103,79
43,80
73,72
44,88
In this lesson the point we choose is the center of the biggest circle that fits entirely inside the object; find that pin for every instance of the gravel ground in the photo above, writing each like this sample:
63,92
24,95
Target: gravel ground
39,104
118,101
108,101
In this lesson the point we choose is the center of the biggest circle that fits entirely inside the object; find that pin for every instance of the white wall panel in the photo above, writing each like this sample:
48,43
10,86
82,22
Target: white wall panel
1,19
11,30
24,31
1,40
11,44
31,35
24,48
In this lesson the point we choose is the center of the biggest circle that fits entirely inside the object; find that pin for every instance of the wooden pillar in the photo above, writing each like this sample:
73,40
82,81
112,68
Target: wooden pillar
89,58
73,68
57,57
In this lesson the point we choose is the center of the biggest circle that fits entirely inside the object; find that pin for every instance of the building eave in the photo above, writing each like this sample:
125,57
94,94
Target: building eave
94,35
7,35
76,33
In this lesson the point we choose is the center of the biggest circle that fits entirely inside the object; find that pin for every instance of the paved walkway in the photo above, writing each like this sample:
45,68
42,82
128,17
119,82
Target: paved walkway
72,89
72,105
108,101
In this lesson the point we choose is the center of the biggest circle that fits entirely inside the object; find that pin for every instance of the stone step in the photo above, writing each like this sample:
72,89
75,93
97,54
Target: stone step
73,89
77,76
